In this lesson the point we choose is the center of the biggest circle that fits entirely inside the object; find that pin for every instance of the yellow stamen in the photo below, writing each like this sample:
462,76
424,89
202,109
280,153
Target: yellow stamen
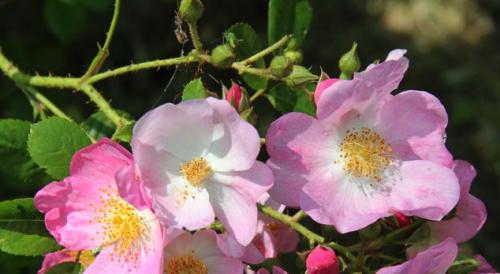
122,226
365,154
196,171
186,264
86,257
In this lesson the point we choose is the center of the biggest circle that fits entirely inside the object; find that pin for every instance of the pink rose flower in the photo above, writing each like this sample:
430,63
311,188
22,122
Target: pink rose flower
85,211
435,260
322,86
198,161
322,260
272,238
199,253
275,270
484,267
367,155
470,214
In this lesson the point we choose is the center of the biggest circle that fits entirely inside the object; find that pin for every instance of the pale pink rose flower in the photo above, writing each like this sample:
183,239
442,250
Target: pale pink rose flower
322,86
368,153
198,162
435,260
85,211
470,214
322,260
199,253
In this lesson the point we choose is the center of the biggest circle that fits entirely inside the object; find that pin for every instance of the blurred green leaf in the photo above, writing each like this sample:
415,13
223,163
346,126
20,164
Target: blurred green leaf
64,18
98,126
13,264
286,99
463,265
194,90
65,268
248,43
279,19
288,16
125,133
17,164
52,143
22,229
96,5
302,20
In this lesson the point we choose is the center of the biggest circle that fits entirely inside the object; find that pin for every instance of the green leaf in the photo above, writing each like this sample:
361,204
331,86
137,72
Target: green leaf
302,20
52,143
65,268
288,16
464,265
17,165
96,5
22,229
280,19
286,99
13,264
64,18
194,90
248,43
98,125
125,133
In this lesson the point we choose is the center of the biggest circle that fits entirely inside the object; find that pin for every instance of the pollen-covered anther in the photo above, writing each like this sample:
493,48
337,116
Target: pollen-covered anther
122,226
365,154
196,171
186,264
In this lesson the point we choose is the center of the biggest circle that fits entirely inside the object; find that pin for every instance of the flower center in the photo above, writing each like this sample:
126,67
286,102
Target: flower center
364,153
86,257
196,171
186,264
122,226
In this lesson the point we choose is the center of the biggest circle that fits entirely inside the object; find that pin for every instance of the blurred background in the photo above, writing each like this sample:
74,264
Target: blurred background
453,47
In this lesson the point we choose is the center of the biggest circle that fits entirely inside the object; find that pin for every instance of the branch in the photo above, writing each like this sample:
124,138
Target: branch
103,52
103,105
195,37
254,58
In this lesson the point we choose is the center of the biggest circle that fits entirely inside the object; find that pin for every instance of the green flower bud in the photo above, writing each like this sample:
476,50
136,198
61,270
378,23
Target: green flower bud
292,44
300,75
191,10
280,66
223,56
295,56
349,63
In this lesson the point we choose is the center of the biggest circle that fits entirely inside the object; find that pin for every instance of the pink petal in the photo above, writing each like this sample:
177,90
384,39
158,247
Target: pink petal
322,260
426,190
386,76
235,142
100,161
421,139
52,259
236,210
185,130
253,255
224,265
229,246
342,203
131,188
321,87
435,260
466,174
296,144
149,253
484,267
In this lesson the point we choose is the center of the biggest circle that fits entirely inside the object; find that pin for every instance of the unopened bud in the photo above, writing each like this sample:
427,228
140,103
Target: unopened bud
294,56
322,260
300,75
191,10
401,219
223,56
237,97
280,66
349,63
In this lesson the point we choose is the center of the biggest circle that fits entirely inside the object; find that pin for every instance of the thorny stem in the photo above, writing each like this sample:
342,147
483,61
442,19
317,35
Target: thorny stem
254,58
103,52
103,105
195,37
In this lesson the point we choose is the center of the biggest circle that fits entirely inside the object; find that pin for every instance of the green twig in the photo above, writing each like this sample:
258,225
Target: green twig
299,216
195,37
103,52
257,94
343,250
103,105
254,58
265,73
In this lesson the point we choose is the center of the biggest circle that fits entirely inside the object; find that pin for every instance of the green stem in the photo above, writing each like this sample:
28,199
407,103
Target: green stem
143,66
257,94
343,250
266,51
46,102
195,37
103,105
269,211
103,52
265,73
299,216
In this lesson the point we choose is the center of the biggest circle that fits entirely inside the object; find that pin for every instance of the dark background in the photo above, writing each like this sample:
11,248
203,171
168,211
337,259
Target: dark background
452,46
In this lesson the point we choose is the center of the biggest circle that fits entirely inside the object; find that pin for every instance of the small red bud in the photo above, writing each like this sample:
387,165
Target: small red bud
322,260
402,219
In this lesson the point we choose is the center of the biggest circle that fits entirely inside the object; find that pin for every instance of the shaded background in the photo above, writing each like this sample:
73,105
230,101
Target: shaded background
452,46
